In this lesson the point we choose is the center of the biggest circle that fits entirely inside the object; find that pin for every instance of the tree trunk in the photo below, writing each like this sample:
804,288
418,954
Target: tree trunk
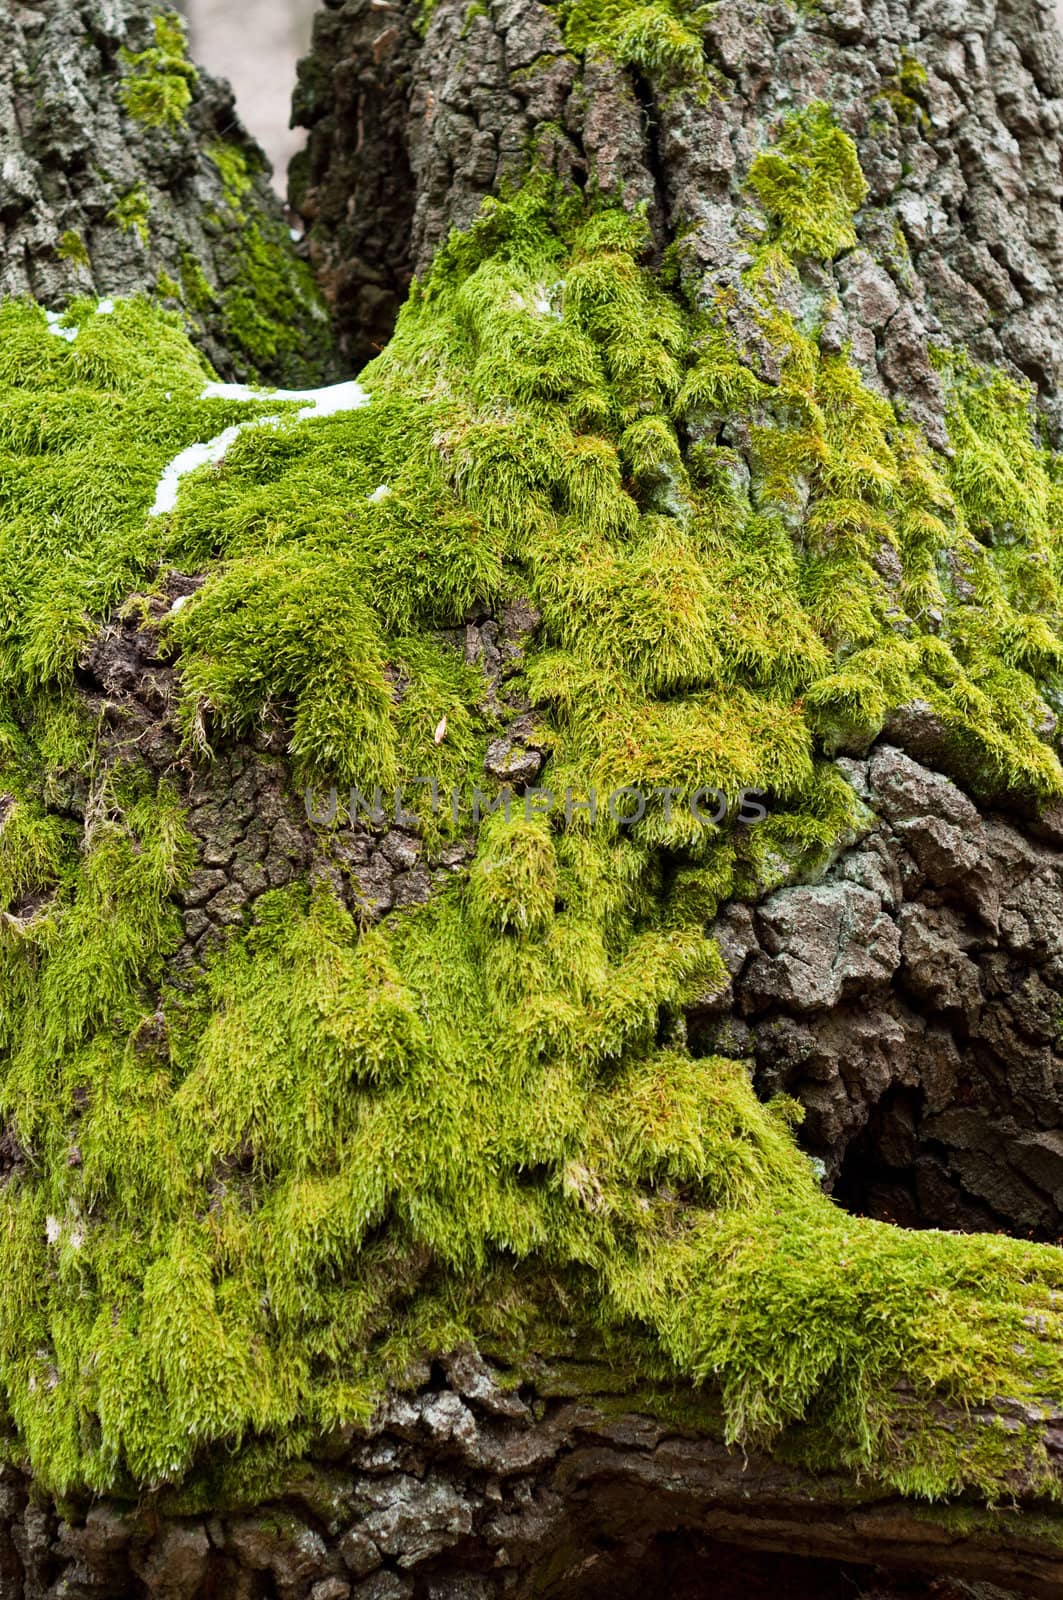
617,1336
953,111
126,171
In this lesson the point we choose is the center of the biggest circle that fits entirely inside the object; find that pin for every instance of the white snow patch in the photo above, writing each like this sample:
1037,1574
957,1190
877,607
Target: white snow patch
53,1229
383,493
319,402
328,402
54,320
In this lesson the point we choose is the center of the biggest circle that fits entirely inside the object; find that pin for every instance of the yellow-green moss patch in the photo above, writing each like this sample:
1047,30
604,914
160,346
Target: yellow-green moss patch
342,1146
156,88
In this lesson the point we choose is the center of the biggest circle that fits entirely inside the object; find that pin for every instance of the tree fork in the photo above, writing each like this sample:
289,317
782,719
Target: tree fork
516,1477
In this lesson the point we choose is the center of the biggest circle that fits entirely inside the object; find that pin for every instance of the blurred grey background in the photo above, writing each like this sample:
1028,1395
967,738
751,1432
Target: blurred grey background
255,44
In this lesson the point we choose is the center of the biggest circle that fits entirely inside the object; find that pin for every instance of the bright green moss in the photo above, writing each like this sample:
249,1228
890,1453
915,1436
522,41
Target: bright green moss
810,184
195,291
514,880
912,75
274,314
157,87
234,165
660,44
906,92
261,624
132,213
72,247
341,1147
661,39
32,851
422,16
79,472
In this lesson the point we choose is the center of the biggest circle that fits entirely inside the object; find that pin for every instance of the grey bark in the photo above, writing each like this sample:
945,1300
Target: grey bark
418,134
72,153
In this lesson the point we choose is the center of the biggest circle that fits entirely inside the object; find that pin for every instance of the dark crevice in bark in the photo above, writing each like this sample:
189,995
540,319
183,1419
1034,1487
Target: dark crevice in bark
883,1176
911,1001
659,210
353,184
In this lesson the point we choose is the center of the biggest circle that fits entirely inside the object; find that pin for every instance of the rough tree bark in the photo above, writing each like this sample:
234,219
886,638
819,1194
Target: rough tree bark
965,161
955,113
125,171
910,997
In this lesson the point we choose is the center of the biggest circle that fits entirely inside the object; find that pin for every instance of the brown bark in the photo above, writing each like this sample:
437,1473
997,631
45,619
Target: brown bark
465,1491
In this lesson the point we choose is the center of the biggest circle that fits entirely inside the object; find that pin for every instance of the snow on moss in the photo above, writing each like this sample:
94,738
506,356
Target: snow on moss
434,1128
326,402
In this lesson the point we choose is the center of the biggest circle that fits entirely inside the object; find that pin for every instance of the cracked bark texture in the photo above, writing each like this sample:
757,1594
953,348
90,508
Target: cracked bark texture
912,1001
406,140
909,999
73,155
469,1489
254,828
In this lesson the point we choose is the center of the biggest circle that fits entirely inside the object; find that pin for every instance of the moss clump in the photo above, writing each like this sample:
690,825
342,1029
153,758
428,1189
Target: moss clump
906,92
235,165
477,8
912,75
79,472
811,185
157,86
273,303
343,1146
272,315
132,213
662,40
195,291
72,247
